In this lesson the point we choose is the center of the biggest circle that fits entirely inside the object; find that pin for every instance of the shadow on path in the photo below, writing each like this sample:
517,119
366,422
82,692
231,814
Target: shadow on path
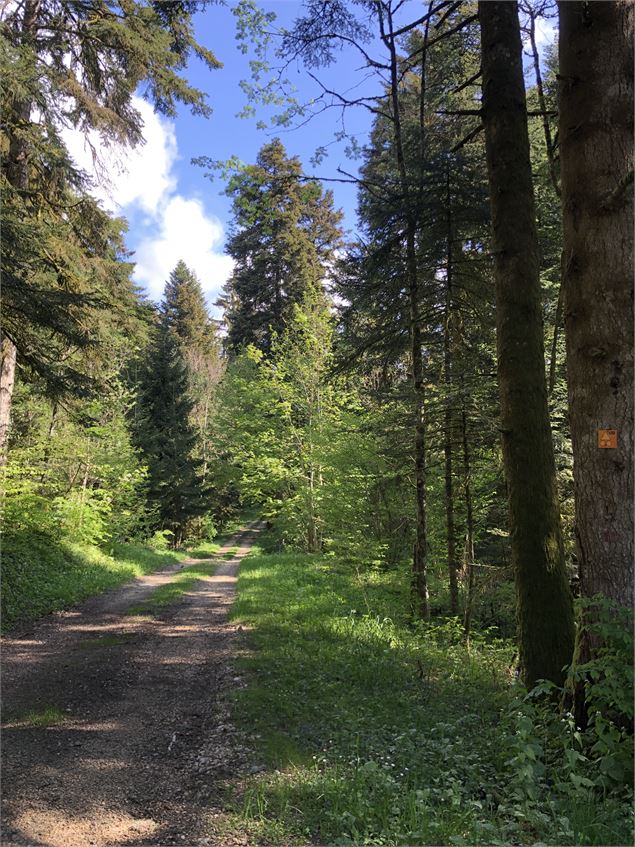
133,741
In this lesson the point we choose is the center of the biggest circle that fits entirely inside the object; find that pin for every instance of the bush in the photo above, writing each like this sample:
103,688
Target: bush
580,778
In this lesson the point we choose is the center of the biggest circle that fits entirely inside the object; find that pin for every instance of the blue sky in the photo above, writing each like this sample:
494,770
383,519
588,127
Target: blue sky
173,211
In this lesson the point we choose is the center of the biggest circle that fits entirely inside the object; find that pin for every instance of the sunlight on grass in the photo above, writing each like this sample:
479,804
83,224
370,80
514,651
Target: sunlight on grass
41,576
40,719
373,729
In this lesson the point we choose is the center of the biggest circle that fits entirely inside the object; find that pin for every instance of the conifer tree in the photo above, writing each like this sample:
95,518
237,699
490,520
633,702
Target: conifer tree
167,438
186,313
195,333
66,64
596,152
285,233
545,612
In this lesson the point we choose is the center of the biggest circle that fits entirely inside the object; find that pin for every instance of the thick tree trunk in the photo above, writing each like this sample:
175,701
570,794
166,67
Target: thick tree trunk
545,614
596,144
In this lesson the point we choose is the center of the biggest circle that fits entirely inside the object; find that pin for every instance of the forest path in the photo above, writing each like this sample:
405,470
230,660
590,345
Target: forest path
138,743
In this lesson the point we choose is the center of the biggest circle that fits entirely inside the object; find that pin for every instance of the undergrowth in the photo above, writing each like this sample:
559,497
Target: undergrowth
374,731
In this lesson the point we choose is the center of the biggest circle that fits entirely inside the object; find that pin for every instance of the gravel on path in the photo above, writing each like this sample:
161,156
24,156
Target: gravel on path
141,743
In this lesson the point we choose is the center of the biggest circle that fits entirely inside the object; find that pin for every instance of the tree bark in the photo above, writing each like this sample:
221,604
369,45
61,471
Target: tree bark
596,142
448,415
420,553
545,614
469,526
8,355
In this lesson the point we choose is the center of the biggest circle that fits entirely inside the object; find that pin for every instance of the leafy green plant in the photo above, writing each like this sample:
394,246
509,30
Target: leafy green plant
161,539
607,679
374,730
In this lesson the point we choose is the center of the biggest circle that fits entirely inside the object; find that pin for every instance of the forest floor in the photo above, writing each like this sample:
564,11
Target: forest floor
116,716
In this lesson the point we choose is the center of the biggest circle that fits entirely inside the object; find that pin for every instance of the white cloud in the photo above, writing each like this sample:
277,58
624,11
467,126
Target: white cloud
186,232
124,177
174,226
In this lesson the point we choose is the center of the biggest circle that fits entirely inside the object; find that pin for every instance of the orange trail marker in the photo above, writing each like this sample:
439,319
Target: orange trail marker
607,439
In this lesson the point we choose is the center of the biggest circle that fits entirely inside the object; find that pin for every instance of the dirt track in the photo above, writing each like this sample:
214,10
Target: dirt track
146,746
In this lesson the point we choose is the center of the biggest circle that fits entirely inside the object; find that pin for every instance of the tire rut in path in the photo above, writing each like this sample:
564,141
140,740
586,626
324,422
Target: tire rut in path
146,744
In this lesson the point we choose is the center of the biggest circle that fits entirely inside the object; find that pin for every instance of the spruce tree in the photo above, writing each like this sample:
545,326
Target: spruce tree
188,320
285,233
596,154
186,313
167,438
545,612
75,65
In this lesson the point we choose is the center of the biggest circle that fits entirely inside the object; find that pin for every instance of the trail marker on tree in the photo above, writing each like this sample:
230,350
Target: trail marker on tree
607,439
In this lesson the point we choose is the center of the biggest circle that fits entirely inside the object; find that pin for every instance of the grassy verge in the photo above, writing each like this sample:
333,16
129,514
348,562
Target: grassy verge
40,576
372,732
45,717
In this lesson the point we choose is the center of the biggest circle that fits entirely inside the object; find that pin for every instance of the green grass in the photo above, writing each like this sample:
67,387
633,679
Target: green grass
206,549
40,575
47,716
373,731
173,590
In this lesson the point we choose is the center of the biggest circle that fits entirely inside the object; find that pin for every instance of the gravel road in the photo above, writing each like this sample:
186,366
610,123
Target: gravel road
145,746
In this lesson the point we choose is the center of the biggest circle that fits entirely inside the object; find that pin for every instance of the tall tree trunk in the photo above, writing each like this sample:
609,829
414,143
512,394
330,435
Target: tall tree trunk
46,457
419,563
313,544
17,172
420,553
557,321
596,142
469,524
448,415
545,613
542,102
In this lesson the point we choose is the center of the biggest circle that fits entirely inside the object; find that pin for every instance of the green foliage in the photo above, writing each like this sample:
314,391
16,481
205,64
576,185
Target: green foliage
41,574
607,681
558,769
284,234
66,280
371,731
72,471
162,539
290,434
176,492
185,315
